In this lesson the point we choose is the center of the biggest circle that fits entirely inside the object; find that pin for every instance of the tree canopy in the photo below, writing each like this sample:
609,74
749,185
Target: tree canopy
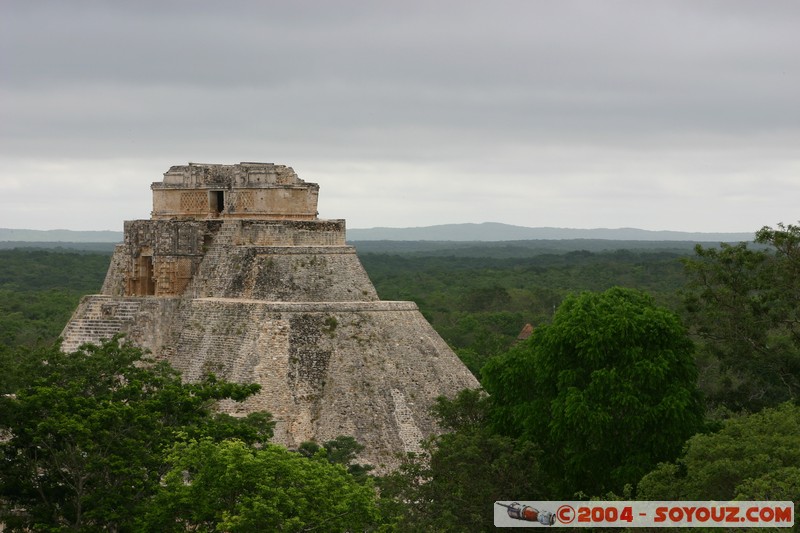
39,290
744,303
230,486
87,437
601,396
607,390
753,457
453,483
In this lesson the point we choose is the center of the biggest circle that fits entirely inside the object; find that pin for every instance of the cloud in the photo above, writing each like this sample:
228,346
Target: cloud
464,111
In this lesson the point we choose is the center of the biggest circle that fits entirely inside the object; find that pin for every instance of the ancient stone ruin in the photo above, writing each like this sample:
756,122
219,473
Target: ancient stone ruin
234,274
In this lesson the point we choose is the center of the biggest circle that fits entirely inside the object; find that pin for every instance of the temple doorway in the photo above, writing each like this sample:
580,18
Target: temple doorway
217,202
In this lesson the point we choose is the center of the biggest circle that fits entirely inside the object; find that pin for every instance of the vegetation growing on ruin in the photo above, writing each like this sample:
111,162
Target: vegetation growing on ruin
650,374
104,439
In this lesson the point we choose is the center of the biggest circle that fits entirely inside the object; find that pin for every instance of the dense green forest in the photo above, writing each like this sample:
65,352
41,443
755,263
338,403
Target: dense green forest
651,373
477,302
39,290
480,304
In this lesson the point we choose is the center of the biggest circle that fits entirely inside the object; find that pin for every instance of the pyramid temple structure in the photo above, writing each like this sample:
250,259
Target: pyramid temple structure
234,274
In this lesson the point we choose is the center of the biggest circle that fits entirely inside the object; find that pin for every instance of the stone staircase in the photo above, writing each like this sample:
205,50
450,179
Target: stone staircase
202,283
102,317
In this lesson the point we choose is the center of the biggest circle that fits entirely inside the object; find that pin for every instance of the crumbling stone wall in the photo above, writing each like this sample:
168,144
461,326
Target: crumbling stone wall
158,258
250,259
301,274
366,369
282,303
114,283
246,190
150,322
291,233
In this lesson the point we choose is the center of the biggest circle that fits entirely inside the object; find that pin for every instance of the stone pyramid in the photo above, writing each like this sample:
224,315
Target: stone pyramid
234,274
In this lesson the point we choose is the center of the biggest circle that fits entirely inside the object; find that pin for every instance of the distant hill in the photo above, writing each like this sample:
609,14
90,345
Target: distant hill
493,231
487,231
520,249
59,235
102,247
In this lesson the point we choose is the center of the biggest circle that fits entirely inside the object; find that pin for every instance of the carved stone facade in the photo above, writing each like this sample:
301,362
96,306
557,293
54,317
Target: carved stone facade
246,190
272,295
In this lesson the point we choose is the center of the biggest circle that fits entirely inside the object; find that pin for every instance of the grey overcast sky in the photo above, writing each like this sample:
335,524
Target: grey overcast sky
661,115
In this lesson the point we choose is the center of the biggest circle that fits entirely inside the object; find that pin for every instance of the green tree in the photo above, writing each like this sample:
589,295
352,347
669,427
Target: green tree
452,484
744,304
340,451
87,438
231,486
753,457
494,298
20,365
607,390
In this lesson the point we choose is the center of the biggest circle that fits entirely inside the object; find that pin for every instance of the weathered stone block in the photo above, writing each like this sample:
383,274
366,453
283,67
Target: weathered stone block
277,298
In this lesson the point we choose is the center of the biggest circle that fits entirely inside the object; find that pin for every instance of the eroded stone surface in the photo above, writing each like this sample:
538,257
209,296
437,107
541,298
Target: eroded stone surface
275,300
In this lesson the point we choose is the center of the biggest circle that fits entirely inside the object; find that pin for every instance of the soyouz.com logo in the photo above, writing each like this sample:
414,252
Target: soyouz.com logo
643,514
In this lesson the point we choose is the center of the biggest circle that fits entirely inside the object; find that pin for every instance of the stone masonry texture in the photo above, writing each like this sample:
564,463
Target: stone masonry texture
281,302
